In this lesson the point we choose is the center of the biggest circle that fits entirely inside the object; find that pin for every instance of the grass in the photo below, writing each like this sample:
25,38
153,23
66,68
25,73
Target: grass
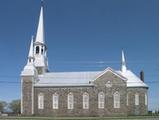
82,118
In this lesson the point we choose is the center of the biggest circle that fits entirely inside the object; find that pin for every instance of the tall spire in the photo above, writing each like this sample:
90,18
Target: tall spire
31,48
40,30
123,63
29,69
31,52
40,50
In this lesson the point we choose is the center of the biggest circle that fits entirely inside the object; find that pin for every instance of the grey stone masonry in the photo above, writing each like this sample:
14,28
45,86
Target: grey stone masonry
140,109
108,83
100,85
27,95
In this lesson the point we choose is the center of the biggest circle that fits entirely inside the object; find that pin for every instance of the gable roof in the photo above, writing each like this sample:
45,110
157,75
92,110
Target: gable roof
67,78
133,80
85,78
112,71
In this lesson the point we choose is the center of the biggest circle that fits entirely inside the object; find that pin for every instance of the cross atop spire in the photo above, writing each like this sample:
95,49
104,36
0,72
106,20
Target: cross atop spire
42,2
123,63
40,37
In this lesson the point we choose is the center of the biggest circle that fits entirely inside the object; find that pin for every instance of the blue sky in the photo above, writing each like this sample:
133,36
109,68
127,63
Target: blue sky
81,35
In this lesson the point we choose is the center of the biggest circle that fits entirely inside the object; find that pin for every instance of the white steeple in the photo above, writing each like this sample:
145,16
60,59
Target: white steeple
123,63
29,69
40,49
31,52
40,30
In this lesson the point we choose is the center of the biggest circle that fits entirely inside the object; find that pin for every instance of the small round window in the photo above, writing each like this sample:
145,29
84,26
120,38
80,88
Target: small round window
108,84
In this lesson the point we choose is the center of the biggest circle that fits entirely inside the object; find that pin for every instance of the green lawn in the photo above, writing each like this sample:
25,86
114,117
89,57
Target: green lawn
83,118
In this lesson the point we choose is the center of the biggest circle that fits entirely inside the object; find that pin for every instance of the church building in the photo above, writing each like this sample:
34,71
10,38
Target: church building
107,92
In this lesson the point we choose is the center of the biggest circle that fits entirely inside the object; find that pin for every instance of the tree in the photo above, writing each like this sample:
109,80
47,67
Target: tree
15,106
3,104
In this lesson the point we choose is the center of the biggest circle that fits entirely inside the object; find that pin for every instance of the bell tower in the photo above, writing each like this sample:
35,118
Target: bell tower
28,77
40,49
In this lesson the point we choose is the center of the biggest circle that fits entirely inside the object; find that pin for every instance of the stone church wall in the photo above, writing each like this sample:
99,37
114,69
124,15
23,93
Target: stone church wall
140,109
117,84
27,95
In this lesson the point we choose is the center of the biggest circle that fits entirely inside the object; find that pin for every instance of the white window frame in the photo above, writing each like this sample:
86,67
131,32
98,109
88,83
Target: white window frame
55,101
85,100
70,101
101,100
40,101
116,97
136,99
146,101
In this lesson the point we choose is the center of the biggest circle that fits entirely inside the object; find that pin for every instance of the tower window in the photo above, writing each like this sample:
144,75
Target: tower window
29,60
37,50
40,70
42,51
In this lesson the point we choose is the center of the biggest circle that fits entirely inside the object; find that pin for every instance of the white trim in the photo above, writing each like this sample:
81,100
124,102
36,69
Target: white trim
32,96
101,100
55,101
85,100
136,99
70,101
127,99
112,71
116,97
21,96
146,99
40,101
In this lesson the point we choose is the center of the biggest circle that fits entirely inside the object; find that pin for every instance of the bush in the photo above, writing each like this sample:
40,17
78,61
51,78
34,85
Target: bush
15,106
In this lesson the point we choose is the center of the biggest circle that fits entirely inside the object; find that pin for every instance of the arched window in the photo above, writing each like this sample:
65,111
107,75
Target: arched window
145,99
37,50
70,101
116,97
41,101
101,100
55,101
29,60
42,50
85,101
136,99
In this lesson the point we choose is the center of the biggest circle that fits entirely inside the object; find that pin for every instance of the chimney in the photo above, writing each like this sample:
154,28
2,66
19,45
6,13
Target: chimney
142,75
